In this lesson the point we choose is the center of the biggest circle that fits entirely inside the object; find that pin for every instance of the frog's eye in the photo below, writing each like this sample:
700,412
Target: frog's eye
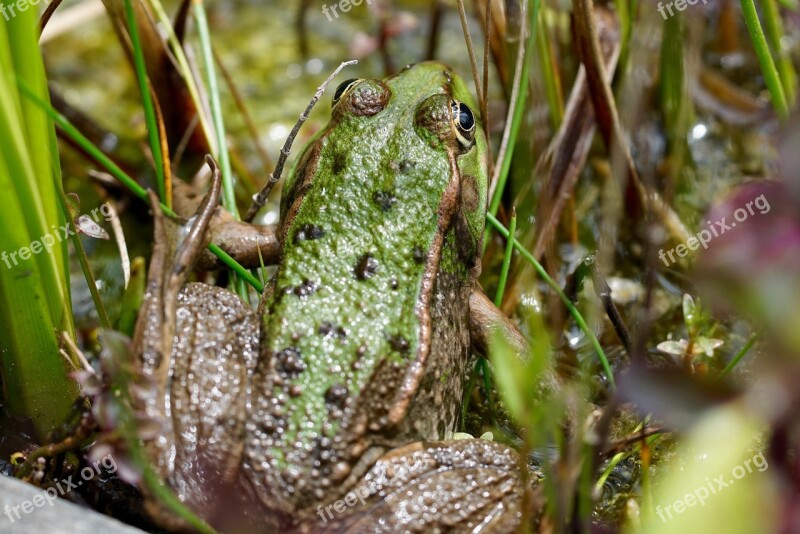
464,123
343,88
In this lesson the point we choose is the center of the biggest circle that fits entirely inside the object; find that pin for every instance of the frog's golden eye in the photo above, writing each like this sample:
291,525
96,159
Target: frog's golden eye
343,88
464,123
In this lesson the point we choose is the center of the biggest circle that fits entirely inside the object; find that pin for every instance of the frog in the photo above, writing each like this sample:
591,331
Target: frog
332,406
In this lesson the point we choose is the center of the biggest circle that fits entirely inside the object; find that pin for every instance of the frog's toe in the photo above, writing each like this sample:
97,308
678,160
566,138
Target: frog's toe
468,485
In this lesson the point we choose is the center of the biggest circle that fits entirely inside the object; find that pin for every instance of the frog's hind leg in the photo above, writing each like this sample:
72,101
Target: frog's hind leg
470,485
195,347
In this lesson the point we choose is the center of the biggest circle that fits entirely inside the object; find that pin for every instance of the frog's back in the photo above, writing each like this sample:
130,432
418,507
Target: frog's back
367,222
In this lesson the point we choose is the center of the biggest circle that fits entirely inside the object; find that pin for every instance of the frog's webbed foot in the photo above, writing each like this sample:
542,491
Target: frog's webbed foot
194,345
470,485
240,240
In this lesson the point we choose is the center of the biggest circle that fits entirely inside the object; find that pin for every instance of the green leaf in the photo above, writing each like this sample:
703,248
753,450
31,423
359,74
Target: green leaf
34,289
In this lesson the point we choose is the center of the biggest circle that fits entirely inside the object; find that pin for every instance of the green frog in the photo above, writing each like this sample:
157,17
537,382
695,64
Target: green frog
332,406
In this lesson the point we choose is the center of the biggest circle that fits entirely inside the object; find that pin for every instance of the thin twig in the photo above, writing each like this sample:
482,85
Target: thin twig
470,50
261,198
484,103
486,45
48,13
603,292
119,237
66,338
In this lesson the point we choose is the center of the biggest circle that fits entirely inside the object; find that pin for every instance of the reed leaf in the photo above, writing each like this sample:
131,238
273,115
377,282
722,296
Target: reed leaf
34,288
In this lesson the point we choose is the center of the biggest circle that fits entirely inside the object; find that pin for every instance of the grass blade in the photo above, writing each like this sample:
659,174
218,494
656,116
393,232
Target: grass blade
567,303
34,288
228,193
501,284
113,169
770,73
147,102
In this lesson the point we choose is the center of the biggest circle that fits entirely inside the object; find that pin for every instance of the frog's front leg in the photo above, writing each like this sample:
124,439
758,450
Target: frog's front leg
194,346
249,244
470,485
486,321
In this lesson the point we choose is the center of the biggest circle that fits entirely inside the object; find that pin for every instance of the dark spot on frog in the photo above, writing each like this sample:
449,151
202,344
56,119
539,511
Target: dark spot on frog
305,288
403,167
336,395
295,391
385,199
366,267
399,344
419,254
394,284
268,425
308,232
328,329
339,162
289,361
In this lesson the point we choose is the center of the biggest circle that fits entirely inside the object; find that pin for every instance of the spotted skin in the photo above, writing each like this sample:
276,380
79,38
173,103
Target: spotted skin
387,267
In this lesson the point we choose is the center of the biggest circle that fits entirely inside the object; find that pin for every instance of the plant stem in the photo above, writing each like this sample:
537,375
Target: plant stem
567,303
147,101
501,284
228,193
739,355
770,73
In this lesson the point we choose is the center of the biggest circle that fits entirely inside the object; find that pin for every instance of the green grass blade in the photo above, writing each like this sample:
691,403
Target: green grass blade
228,193
576,315
775,34
741,354
552,82
519,112
770,73
113,169
501,284
34,289
147,101
185,71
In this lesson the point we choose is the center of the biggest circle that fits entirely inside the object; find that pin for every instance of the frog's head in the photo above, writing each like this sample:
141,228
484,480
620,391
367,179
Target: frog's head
423,122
